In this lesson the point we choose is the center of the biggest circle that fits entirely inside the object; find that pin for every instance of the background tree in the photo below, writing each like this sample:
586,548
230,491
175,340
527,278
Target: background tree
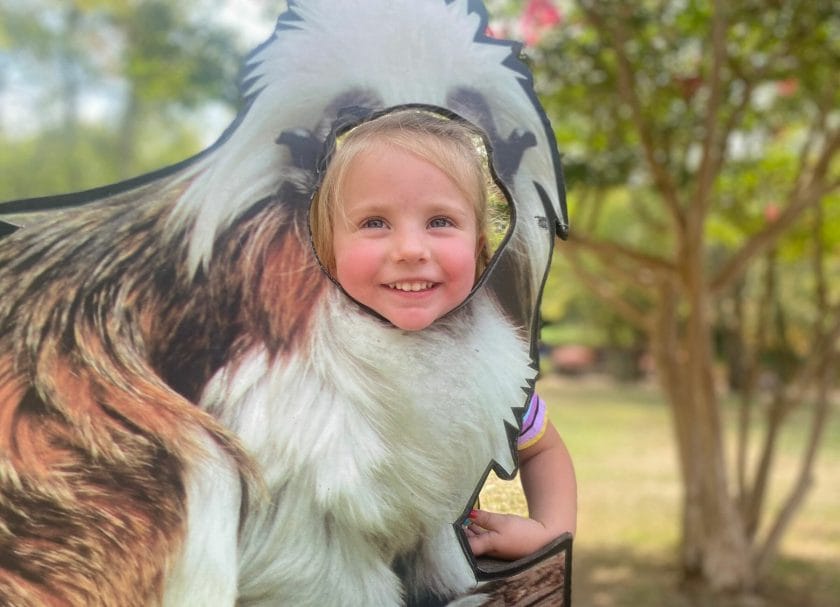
701,146
102,90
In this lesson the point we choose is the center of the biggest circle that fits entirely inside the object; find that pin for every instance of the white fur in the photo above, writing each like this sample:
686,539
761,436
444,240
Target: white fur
371,442
206,571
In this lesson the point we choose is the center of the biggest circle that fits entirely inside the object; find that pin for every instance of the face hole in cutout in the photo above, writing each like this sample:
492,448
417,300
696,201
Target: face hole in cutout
409,165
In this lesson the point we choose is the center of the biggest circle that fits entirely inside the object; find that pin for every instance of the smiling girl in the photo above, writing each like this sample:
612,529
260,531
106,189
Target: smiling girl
400,223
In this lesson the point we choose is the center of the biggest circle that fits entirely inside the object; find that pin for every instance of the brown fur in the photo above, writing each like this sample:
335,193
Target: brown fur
90,505
105,345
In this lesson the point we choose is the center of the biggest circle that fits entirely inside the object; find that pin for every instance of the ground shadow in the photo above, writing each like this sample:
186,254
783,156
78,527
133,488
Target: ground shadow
622,578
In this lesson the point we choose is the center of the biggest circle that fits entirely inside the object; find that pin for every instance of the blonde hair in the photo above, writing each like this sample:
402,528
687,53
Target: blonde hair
452,146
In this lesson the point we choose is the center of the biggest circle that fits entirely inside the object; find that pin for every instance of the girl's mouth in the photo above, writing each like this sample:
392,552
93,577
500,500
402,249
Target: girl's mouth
411,286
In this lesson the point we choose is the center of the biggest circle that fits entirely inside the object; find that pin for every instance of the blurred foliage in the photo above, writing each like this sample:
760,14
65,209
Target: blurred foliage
94,91
780,87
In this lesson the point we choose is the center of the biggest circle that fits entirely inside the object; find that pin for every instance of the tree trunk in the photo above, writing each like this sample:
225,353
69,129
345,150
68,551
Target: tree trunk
715,547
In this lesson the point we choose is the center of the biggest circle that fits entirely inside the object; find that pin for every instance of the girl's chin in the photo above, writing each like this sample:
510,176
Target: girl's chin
416,320
412,324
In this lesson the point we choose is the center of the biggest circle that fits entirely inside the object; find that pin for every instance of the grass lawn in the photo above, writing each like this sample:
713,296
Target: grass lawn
629,504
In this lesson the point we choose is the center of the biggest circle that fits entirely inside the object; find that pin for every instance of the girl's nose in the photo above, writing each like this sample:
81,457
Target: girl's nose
410,246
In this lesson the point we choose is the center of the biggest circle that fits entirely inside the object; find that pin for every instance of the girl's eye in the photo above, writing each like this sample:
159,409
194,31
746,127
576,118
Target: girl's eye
373,223
440,222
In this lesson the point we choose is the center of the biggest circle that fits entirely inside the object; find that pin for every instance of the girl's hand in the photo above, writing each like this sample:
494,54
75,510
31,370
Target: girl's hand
548,481
505,536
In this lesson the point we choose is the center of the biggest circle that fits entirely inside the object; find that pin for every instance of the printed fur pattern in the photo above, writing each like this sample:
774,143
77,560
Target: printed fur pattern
368,464
106,347
191,413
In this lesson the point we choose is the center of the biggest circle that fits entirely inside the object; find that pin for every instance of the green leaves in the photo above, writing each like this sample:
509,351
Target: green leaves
107,89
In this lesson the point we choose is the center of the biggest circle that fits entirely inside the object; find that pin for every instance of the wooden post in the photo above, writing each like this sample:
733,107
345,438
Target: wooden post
543,579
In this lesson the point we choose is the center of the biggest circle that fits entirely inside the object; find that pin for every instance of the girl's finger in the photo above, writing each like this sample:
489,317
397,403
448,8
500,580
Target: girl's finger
483,519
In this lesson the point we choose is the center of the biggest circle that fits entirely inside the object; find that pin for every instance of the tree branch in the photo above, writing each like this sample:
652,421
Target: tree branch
731,123
828,348
610,252
800,198
711,149
805,477
823,351
627,90
750,368
603,289
822,347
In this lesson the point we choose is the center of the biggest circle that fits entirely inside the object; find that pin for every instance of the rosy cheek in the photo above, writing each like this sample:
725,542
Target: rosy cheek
356,265
463,265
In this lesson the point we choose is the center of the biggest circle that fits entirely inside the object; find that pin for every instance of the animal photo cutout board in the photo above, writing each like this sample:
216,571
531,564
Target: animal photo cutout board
196,409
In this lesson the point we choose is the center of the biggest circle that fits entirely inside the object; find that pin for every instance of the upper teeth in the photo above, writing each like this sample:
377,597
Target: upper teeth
411,286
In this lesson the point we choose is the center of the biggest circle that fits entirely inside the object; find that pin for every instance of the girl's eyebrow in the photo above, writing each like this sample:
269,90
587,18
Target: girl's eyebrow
365,207
453,209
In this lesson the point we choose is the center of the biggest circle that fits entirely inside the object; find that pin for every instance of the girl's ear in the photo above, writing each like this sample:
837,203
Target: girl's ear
480,245
482,256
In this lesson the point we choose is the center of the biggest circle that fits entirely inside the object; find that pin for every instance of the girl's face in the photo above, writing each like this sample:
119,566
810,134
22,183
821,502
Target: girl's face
405,238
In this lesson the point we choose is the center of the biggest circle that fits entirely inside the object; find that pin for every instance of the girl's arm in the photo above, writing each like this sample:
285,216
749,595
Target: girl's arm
548,480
